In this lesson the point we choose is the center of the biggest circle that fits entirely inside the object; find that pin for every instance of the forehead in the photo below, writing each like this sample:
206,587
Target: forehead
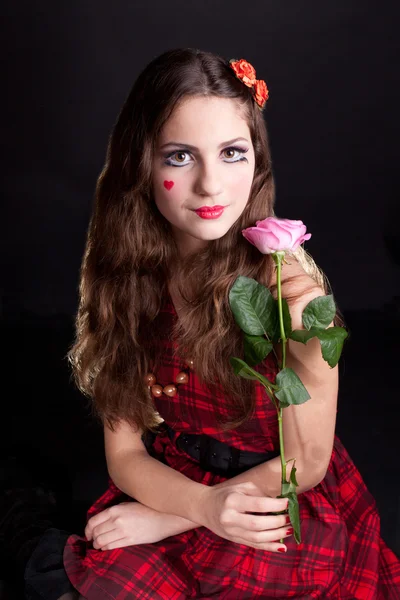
205,121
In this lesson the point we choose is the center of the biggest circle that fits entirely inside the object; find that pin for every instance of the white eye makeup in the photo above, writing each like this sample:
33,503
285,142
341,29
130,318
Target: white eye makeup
182,151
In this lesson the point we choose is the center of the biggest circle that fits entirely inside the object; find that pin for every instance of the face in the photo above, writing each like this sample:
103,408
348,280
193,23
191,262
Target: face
198,162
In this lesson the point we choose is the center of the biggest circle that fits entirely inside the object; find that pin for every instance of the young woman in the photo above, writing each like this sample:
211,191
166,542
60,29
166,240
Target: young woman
192,450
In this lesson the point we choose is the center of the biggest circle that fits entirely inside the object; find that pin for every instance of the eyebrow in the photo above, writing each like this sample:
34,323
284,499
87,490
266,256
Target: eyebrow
194,148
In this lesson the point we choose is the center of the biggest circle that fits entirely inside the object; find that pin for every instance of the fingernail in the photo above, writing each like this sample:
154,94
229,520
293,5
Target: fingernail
287,519
282,549
289,531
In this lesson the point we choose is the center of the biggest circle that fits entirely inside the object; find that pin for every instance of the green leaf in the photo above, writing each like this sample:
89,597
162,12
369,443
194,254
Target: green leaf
302,335
253,307
293,476
289,487
243,370
256,348
293,507
294,513
291,389
331,341
276,334
319,313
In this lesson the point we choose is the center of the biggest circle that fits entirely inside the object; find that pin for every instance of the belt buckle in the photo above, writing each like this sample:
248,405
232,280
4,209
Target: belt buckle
210,453
214,454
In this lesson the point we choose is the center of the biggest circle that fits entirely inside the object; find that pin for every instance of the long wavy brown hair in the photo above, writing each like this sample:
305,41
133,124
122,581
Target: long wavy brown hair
131,255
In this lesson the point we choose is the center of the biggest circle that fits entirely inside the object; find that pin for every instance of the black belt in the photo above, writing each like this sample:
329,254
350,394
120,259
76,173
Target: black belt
211,454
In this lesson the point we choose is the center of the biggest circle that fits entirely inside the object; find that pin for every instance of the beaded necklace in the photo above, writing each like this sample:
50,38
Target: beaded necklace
182,378
170,389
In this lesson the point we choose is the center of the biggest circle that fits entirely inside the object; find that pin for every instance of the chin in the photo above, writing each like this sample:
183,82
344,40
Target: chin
213,237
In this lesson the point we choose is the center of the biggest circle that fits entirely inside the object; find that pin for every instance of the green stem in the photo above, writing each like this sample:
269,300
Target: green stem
284,342
278,256
281,446
280,310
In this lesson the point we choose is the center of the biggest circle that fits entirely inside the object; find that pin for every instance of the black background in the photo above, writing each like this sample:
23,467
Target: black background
333,120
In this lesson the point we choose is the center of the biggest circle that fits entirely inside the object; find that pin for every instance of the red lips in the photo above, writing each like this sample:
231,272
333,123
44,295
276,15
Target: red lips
210,212
209,208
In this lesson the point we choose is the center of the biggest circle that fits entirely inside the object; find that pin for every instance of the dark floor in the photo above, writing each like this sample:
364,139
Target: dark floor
47,426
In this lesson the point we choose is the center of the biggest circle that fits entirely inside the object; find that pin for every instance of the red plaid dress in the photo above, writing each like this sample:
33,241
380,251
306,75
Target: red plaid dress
341,557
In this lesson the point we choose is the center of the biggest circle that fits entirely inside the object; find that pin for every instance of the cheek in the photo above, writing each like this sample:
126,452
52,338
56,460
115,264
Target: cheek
167,194
241,184
168,184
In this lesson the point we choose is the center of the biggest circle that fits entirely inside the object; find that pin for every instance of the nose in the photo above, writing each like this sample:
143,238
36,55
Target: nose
208,182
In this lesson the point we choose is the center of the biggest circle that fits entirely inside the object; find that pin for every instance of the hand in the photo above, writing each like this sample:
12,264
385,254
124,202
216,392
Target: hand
125,524
225,511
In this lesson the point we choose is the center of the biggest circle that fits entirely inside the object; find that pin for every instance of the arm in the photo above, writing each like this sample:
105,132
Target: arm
146,479
157,485
308,435
309,428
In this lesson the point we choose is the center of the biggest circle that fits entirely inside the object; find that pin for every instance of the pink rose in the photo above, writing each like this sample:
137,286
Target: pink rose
273,234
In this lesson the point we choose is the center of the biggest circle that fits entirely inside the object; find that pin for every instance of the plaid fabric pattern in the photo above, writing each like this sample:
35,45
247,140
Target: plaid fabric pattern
342,555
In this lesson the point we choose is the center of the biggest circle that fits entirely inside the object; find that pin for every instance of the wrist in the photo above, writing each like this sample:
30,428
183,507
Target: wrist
174,525
197,510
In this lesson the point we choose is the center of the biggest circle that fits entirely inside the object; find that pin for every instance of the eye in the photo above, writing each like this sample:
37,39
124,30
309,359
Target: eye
233,149
177,157
180,154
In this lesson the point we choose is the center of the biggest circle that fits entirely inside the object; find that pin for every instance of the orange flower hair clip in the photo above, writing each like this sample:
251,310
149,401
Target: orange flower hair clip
247,74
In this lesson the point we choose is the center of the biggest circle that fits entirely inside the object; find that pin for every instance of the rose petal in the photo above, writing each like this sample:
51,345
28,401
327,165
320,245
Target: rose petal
285,238
273,234
301,240
265,241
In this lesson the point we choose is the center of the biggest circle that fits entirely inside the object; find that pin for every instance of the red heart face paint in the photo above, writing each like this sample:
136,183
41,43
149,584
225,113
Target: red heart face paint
168,184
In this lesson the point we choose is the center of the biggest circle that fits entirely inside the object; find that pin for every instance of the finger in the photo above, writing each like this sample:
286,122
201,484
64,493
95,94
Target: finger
94,521
122,543
269,547
260,537
261,504
257,522
107,538
104,527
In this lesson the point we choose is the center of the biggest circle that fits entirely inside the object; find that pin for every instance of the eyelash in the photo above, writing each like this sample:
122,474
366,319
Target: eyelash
237,148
